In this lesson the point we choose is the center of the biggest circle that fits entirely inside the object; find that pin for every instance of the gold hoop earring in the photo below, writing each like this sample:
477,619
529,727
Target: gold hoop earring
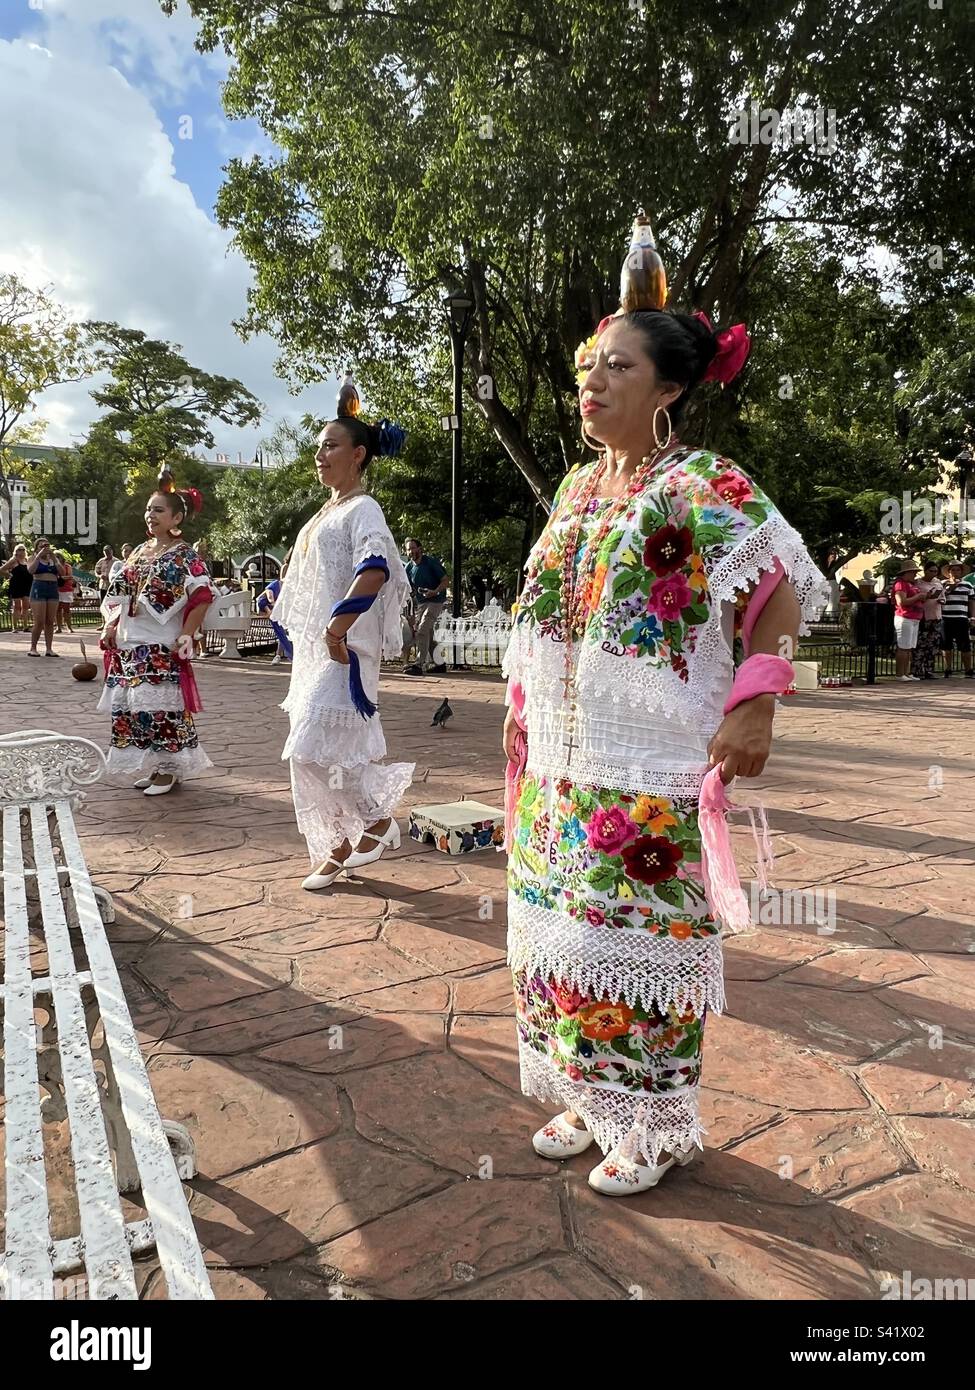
591,443
656,439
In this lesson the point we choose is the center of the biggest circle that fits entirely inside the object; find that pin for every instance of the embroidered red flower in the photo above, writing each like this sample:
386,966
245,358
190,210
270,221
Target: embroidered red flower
733,488
567,998
651,859
667,549
609,830
669,596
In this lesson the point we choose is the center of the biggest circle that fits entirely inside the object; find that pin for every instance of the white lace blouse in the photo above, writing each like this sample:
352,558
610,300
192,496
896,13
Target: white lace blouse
322,569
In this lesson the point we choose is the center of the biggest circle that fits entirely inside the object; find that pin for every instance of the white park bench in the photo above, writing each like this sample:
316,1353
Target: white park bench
230,616
119,1141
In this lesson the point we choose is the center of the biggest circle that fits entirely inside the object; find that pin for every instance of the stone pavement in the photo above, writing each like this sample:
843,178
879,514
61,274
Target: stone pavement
346,1061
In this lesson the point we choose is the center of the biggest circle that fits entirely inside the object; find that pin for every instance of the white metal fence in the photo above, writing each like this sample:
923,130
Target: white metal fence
471,641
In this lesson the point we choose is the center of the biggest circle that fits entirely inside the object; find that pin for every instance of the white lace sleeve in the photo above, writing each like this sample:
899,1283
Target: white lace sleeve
372,537
746,534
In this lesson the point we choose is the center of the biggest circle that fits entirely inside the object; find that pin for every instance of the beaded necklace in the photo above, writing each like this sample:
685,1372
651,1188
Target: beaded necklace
576,589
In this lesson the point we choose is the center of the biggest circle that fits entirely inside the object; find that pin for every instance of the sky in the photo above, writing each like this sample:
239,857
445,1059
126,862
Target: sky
104,199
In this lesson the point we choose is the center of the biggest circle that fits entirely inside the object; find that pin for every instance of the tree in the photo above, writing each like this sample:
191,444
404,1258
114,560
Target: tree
502,150
158,409
156,401
39,348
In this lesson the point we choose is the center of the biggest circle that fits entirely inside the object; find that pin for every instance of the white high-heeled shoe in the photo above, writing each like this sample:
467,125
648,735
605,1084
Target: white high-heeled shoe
391,840
314,881
619,1176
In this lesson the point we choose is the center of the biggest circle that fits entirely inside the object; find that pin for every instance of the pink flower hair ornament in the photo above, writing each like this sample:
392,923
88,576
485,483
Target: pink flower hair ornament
734,345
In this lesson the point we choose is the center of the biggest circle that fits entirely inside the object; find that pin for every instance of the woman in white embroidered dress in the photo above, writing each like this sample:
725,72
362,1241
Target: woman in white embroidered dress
344,795
153,609
619,666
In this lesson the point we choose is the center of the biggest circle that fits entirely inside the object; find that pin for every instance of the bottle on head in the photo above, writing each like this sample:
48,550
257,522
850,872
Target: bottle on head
348,402
643,281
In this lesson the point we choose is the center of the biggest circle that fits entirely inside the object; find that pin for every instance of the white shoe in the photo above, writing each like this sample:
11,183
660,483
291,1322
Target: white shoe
142,783
560,1139
618,1176
391,840
161,788
905,678
276,659
315,881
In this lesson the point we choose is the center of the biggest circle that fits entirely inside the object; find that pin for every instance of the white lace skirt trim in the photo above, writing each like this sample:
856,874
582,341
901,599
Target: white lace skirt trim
333,804
647,1124
625,963
549,757
190,762
165,695
335,738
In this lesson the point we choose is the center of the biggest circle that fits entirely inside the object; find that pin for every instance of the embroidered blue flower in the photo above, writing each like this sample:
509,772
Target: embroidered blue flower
648,631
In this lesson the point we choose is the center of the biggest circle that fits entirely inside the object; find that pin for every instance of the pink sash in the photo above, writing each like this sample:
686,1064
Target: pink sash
516,766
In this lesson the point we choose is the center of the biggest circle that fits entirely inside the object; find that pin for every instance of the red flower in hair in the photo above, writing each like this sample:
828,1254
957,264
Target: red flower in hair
734,345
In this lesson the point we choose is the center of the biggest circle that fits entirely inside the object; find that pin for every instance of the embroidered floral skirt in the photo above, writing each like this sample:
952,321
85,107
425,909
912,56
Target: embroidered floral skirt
616,959
152,731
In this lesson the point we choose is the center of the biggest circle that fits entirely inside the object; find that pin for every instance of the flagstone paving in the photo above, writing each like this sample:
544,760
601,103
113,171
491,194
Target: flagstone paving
346,1061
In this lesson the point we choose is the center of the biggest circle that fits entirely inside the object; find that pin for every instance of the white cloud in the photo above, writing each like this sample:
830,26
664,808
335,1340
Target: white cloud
135,34
92,206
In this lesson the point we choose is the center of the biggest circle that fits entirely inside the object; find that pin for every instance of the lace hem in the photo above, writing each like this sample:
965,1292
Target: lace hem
327,815
617,962
549,758
164,695
335,738
646,1124
190,762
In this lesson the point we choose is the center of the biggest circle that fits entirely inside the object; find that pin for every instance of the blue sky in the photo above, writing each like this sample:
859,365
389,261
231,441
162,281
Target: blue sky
106,202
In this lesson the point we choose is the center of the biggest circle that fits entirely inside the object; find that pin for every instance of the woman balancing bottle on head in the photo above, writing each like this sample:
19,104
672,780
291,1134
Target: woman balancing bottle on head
153,609
626,716
340,604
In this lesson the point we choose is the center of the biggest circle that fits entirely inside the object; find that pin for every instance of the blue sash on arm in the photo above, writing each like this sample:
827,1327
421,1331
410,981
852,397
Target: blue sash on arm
359,604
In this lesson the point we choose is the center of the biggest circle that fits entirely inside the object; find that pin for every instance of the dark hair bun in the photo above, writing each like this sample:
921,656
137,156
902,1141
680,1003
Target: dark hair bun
705,341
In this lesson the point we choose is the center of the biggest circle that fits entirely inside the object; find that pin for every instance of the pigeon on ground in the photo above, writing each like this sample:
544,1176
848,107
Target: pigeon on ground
443,713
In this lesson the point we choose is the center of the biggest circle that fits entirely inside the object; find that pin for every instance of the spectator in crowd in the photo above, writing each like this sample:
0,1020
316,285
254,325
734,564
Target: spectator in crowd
957,616
18,589
428,582
908,612
102,569
66,587
45,570
265,605
929,633
119,565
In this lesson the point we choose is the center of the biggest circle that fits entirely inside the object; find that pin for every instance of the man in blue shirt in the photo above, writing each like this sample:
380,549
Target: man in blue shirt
428,580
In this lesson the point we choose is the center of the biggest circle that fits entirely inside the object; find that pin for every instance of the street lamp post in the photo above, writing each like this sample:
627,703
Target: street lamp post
260,462
458,307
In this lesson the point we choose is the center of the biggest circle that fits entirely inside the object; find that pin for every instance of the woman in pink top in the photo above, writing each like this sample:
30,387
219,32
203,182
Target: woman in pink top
908,612
929,633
